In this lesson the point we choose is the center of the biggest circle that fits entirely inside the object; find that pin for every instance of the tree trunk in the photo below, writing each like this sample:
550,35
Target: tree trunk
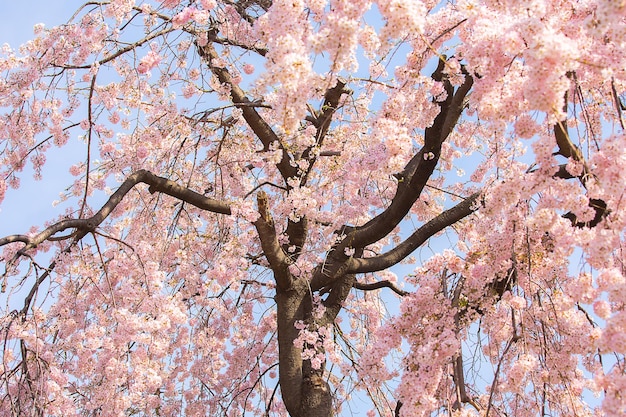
304,390
289,310
316,397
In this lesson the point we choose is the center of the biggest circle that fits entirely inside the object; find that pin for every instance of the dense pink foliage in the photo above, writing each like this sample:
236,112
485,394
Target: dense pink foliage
167,309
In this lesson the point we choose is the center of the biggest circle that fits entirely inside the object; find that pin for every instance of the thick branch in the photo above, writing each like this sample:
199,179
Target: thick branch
421,235
415,175
169,187
258,125
336,298
569,150
84,226
278,260
296,233
563,141
562,173
335,266
456,107
378,285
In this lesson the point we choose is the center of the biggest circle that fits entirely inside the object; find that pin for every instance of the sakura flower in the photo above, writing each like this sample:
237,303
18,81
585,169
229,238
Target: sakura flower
3,189
208,4
248,69
602,308
182,18
170,3
142,152
148,62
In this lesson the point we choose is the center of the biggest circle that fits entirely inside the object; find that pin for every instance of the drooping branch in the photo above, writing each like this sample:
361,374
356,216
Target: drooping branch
84,226
619,106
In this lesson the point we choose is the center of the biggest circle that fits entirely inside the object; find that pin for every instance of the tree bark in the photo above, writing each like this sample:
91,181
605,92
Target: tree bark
317,399
290,309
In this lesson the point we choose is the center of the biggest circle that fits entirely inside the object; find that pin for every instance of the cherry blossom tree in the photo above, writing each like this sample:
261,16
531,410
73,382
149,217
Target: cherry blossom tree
289,207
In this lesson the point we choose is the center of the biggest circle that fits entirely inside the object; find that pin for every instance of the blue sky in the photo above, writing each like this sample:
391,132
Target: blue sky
20,16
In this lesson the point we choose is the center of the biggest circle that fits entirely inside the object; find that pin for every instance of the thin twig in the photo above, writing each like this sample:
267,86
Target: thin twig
618,103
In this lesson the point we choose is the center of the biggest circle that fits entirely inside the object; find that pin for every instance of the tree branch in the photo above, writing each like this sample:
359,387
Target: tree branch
172,189
419,169
119,52
569,150
337,296
619,106
321,120
277,258
421,235
258,125
411,182
378,285
297,231
84,226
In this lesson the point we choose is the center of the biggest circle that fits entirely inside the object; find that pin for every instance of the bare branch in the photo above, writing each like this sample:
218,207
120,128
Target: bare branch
421,235
378,285
84,226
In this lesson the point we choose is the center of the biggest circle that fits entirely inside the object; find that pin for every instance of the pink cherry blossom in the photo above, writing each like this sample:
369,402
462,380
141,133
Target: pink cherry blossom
148,62
208,4
248,69
315,207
